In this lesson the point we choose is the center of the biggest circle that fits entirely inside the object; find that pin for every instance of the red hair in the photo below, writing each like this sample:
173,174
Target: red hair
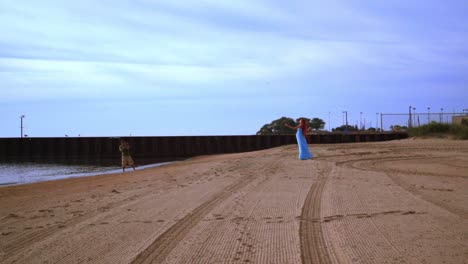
303,125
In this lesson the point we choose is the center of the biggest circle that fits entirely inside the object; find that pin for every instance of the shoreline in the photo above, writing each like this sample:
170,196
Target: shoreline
53,171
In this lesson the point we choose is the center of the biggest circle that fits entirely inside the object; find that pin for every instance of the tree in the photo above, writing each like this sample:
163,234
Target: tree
345,128
277,127
316,123
397,128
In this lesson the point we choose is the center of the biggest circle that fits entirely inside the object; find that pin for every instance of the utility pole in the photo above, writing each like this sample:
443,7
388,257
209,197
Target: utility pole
21,118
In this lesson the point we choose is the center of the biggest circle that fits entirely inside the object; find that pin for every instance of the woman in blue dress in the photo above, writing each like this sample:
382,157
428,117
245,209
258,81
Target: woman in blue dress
301,133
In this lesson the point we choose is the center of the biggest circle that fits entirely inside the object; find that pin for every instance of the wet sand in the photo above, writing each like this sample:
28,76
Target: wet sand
388,202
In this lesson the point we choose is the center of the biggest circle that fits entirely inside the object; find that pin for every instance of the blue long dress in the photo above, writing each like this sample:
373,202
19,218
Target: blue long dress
304,152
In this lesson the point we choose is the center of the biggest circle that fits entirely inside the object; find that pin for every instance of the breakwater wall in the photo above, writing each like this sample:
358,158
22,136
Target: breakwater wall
145,150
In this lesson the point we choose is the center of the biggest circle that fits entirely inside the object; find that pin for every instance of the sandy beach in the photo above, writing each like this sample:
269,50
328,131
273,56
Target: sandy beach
401,201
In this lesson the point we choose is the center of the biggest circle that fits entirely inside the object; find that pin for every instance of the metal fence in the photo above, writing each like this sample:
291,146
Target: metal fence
149,150
389,121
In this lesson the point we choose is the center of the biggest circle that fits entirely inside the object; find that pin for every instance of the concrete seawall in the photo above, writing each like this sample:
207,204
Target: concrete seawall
156,149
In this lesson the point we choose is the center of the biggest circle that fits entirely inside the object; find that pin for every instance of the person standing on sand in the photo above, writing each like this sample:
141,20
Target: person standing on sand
301,133
126,158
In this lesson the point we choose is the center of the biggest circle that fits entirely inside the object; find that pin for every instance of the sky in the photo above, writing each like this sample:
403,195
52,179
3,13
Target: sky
213,67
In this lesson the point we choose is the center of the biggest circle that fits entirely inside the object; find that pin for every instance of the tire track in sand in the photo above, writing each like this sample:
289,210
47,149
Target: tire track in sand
29,239
164,244
313,246
376,164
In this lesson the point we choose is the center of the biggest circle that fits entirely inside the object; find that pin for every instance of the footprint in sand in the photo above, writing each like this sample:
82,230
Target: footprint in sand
13,216
333,217
363,216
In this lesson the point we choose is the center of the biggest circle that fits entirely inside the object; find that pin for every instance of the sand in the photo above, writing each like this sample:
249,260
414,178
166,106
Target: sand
402,201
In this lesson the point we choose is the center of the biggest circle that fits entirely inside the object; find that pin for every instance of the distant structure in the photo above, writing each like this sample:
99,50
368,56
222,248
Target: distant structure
457,120
21,117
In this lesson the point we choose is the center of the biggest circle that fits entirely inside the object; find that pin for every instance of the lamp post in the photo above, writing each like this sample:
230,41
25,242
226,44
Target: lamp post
346,117
441,113
21,118
428,115
360,120
376,121
410,118
381,122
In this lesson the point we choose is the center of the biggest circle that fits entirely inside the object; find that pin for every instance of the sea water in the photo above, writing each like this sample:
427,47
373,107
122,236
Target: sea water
29,172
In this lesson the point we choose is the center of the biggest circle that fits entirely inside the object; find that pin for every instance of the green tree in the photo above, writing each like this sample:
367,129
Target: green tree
277,127
345,128
464,122
316,123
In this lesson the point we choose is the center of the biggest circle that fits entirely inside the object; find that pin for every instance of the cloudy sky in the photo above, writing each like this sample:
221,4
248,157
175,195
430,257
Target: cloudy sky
213,67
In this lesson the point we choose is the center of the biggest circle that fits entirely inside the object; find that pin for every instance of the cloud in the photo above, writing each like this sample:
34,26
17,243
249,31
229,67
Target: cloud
170,48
